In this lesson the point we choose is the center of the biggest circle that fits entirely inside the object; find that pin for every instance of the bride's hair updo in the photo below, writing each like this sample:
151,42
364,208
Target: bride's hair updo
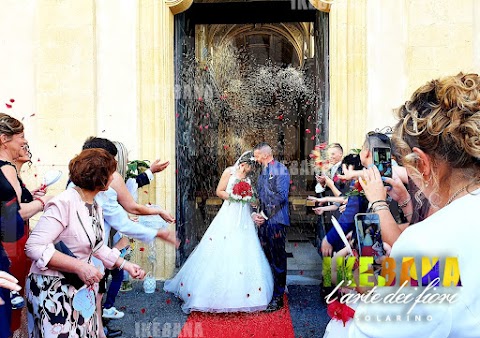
247,158
442,118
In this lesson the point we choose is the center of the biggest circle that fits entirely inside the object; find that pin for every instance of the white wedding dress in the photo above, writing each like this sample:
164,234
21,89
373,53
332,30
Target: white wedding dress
228,270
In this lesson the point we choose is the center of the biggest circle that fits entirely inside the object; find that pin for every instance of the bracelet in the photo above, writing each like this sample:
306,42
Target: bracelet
380,207
404,203
43,203
370,205
123,264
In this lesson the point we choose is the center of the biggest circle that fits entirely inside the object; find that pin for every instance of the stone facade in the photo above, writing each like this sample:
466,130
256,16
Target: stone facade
105,67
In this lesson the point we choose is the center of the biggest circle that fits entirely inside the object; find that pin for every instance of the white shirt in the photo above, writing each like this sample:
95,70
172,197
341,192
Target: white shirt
116,217
453,231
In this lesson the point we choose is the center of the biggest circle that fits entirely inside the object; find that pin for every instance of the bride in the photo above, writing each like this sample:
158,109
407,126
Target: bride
227,271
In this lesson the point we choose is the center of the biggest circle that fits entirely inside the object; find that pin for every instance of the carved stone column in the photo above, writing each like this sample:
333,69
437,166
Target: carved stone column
157,111
348,72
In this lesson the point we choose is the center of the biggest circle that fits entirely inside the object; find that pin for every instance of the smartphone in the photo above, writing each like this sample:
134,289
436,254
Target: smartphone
382,158
368,237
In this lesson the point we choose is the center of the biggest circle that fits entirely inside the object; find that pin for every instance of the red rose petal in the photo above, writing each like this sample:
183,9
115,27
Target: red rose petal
307,131
296,244
225,147
188,295
248,295
312,138
301,272
177,115
146,192
168,301
12,100
143,310
32,115
8,105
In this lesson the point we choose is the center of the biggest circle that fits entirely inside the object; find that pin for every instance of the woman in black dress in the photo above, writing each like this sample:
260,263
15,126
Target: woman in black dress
13,212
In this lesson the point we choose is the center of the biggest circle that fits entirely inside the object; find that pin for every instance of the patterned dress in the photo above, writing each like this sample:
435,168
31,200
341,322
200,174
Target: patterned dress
51,313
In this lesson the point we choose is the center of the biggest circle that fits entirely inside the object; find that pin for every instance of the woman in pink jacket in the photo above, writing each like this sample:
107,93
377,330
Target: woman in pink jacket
63,282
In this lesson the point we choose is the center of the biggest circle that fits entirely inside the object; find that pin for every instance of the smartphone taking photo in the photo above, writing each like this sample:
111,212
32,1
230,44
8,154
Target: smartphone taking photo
369,239
382,158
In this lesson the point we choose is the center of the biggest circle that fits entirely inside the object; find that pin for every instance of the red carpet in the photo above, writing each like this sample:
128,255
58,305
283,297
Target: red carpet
239,325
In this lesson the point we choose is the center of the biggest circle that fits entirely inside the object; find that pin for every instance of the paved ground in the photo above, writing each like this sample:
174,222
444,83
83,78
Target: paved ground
159,314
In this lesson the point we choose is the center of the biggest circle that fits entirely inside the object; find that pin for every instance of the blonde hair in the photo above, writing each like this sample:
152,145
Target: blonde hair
442,118
122,158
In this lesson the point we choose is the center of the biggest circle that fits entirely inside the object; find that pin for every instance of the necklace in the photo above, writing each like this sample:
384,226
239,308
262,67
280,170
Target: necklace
458,192
82,195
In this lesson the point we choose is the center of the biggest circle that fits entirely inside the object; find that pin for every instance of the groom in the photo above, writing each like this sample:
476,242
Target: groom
272,218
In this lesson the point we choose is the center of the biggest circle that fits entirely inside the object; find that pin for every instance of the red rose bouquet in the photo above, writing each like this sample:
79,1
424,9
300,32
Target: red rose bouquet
339,311
242,192
356,190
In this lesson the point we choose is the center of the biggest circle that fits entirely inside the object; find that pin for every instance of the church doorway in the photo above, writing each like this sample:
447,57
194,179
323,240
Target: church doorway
246,72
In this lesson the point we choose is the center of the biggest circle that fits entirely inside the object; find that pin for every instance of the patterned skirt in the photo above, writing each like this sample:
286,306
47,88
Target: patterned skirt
50,310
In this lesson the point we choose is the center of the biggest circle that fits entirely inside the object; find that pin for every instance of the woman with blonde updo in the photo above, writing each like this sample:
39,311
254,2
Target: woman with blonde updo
438,139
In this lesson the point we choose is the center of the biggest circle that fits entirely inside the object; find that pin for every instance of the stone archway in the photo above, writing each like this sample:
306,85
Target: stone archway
290,33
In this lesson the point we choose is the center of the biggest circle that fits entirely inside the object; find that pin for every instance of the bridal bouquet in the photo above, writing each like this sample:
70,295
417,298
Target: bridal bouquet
135,168
356,190
242,192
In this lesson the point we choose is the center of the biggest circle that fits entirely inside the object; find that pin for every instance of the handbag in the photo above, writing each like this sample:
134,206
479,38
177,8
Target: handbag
71,278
